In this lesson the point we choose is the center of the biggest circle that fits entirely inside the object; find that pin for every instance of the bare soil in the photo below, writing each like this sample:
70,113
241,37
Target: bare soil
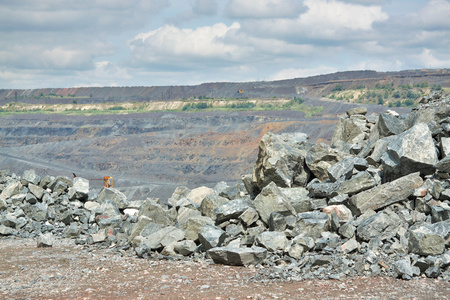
68,271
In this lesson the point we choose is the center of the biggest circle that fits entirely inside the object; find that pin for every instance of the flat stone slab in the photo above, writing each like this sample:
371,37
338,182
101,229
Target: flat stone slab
237,256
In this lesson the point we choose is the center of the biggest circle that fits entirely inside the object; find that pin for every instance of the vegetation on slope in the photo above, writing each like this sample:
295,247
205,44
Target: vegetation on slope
192,105
384,94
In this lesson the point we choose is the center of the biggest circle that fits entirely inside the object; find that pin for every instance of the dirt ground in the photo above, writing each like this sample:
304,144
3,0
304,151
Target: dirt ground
68,271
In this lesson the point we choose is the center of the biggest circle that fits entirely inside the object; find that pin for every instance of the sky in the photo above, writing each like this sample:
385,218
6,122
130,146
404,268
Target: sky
81,43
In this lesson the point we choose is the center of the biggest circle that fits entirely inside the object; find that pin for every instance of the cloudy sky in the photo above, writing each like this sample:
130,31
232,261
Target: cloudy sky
69,43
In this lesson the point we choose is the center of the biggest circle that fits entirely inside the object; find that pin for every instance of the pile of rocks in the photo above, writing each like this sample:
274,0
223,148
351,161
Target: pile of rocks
375,202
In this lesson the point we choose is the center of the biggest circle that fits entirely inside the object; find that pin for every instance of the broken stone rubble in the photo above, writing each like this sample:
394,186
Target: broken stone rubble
373,203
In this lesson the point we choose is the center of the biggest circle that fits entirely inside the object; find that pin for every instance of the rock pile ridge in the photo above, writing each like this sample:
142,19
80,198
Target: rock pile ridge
374,202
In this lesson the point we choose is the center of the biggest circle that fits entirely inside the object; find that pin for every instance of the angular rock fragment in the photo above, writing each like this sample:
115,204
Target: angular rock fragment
211,236
237,256
231,209
270,200
385,194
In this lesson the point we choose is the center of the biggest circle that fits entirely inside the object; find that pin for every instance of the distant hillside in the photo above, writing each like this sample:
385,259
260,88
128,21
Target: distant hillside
312,87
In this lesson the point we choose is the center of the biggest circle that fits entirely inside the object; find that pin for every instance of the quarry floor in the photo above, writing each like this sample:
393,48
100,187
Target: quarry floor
68,271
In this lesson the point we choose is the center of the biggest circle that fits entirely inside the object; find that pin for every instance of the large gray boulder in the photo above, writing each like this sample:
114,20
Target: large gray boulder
36,190
113,195
320,158
272,240
344,168
311,224
231,209
13,188
299,198
280,160
155,212
210,203
237,256
270,200
198,194
411,151
349,129
30,176
385,194
211,236
79,190
389,124
163,237
194,225
358,183
382,225
423,240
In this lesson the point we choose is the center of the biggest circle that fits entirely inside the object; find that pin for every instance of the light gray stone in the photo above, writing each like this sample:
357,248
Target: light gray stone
163,237
198,194
272,240
411,151
155,212
385,194
311,224
45,240
13,188
211,202
36,190
211,236
320,157
113,195
237,256
358,183
30,176
390,125
403,269
299,198
79,190
185,248
382,225
249,216
280,160
194,225
270,200
231,209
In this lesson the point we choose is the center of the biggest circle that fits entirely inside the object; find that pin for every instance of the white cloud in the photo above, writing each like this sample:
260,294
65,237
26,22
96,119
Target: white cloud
434,16
429,60
170,45
324,20
264,8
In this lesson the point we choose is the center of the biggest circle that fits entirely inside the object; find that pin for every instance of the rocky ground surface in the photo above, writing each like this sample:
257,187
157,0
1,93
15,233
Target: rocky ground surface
69,271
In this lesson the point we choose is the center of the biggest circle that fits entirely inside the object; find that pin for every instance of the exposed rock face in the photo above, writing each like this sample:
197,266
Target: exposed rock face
280,160
364,216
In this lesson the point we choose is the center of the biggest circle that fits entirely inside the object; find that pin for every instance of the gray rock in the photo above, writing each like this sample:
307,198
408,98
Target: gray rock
45,240
385,194
231,192
272,240
444,165
184,214
433,272
349,130
382,225
428,239
298,197
30,198
29,176
350,246
360,110
179,193
339,199
13,188
277,222
79,190
347,230
98,237
211,202
36,190
185,248
249,216
6,230
319,189
270,200
403,269
358,183
163,237
344,168
142,221
211,236
445,146
72,232
194,225
156,212
411,151
390,125
440,212
198,194
311,224
280,160
39,212
320,158
113,195
237,256
231,209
